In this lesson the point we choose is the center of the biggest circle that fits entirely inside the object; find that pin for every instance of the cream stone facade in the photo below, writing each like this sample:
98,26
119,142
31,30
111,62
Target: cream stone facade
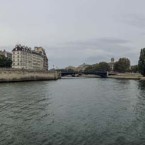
111,64
25,58
45,59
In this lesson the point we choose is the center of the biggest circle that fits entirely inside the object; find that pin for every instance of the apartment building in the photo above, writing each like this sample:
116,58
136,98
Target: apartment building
43,53
24,57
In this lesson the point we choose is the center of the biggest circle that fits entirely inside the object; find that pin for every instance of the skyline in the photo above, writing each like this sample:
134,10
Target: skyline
74,32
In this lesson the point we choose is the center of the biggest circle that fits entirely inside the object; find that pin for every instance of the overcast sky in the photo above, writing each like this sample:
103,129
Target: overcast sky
75,31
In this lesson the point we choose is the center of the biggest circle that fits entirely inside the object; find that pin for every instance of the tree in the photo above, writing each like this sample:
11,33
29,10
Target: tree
134,68
91,69
5,62
141,62
104,66
122,65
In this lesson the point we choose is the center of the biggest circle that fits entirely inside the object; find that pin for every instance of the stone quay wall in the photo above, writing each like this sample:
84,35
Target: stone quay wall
18,75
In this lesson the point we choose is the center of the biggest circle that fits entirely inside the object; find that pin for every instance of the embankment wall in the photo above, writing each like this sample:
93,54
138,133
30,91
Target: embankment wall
14,75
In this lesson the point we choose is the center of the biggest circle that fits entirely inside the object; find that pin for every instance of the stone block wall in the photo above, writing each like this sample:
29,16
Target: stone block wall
14,75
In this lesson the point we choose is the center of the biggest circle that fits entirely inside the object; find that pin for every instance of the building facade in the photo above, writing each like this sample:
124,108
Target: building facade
25,58
41,51
111,64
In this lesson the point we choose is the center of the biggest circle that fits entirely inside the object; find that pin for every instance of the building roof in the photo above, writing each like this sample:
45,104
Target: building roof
22,48
37,50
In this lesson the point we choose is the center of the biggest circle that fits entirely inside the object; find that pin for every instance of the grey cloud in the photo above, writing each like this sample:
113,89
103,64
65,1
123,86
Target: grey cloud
92,51
65,28
88,51
106,45
98,41
137,20
113,40
7,48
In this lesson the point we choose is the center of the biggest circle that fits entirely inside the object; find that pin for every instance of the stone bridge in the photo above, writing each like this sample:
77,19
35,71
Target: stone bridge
102,74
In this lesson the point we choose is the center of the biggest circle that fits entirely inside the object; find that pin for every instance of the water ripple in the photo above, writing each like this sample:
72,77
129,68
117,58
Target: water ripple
73,112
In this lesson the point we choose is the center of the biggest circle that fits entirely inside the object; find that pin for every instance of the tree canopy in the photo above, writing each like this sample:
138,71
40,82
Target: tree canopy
141,62
134,68
5,62
122,65
102,66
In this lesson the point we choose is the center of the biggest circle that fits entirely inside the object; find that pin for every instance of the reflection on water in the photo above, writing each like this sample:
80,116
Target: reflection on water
73,112
141,85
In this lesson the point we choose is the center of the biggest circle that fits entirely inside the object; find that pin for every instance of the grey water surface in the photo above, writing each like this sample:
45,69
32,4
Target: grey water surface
81,111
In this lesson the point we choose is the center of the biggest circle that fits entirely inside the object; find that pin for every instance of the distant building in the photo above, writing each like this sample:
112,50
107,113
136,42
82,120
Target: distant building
6,54
71,68
25,58
82,67
1,53
111,64
43,53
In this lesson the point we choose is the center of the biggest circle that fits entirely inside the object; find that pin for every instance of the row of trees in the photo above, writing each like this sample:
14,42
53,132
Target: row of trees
141,62
5,62
122,65
102,66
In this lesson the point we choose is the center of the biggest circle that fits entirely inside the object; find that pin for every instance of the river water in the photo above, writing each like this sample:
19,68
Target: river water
80,111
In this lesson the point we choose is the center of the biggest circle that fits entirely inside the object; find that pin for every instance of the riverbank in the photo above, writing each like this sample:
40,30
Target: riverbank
20,75
133,76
